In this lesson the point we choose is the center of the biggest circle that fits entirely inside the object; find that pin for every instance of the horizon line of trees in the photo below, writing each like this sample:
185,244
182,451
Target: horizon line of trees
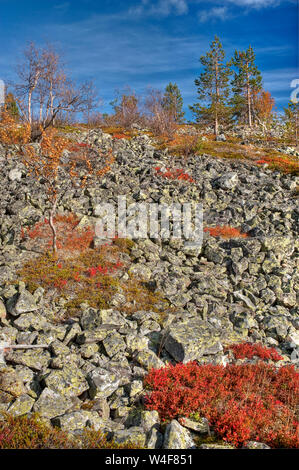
227,92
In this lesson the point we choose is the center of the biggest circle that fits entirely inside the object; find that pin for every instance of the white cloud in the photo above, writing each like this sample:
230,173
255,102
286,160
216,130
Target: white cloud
255,3
161,7
220,13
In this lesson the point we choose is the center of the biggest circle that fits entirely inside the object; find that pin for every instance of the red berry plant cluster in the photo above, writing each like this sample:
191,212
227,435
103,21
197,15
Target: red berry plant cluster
176,174
242,402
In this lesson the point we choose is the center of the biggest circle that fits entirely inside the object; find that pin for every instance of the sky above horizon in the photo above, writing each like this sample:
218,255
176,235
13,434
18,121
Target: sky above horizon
141,43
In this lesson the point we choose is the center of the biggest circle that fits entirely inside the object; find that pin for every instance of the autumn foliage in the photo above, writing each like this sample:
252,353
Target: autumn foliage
250,350
225,232
11,132
174,174
70,237
241,402
264,104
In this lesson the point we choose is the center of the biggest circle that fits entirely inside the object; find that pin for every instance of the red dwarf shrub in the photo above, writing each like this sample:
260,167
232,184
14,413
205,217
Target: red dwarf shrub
69,236
250,350
175,174
225,232
241,402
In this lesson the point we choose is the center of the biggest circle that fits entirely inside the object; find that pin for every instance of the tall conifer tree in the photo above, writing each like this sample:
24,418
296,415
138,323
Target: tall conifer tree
246,83
173,102
213,88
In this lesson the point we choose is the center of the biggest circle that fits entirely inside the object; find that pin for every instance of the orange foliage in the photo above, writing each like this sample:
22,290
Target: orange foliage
11,132
225,232
264,104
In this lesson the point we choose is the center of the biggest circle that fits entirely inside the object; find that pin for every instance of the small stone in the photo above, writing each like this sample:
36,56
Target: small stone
15,175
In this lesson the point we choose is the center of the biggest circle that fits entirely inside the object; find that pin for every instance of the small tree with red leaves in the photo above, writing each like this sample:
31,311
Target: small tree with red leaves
51,166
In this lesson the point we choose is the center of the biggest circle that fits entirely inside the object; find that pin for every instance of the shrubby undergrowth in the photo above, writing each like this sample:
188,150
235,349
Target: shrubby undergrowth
242,402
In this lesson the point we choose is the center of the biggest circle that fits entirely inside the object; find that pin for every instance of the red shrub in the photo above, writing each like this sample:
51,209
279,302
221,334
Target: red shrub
249,350
242,402
176,174
225,232
69,237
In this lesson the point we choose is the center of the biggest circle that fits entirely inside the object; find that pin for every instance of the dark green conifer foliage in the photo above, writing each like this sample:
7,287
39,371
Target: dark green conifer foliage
213,88
173,102
247,81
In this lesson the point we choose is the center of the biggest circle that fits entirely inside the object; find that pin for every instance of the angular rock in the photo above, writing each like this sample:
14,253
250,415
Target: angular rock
51,404
102,383
177,437
70,381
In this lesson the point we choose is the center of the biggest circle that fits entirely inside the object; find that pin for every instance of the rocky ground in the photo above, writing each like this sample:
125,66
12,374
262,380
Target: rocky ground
244,289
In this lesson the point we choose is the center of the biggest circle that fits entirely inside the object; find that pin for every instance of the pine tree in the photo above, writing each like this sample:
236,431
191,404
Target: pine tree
213,87
246,82
173,102
291,120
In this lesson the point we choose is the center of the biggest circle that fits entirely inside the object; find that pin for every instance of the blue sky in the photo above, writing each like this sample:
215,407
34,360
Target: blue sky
144,43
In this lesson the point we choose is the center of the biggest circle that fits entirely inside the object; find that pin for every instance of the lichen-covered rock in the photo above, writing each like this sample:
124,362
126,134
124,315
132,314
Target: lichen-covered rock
2,310
21,406
21,303
256,445
148,359
11,382
134,435
191,339
35,359
102,383
72,421
51,404
113,344
70,381
200,426
177,437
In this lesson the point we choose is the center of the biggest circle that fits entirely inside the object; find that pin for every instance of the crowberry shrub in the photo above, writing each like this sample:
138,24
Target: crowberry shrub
29,432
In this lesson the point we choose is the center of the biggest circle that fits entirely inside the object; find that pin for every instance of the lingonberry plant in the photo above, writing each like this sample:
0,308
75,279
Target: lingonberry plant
241,402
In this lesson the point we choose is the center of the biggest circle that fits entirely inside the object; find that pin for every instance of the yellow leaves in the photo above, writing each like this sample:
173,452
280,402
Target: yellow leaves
12,133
